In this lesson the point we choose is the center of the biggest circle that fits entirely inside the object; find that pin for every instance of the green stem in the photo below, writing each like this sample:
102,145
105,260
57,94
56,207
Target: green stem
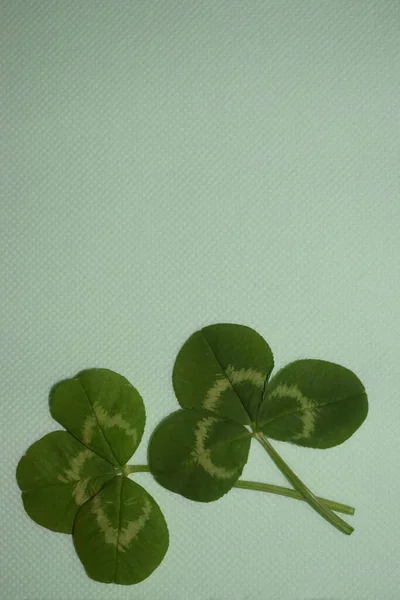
135,469
283,491
261,487
312,500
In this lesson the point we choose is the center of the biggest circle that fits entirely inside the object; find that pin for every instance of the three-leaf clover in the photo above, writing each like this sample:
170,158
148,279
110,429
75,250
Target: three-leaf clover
75,481
221,380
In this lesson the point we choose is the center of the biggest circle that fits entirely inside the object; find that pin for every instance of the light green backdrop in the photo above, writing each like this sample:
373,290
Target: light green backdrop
166,165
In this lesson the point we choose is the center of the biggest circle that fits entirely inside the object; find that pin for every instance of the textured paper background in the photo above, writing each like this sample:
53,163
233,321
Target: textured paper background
166,165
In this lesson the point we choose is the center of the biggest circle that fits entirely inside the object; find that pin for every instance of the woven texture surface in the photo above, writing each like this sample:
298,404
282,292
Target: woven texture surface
166,165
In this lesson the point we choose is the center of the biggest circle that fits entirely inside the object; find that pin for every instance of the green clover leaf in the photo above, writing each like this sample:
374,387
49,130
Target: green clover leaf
313,403
57,475
223,368
102,410
120,534
198,454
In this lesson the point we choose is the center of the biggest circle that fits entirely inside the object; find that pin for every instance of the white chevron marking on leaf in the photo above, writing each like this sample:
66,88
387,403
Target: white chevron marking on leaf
234,376
203,456
74,470
308,408
87,430
127,534
246,375
133,528
213,395
105,421
105,525
79,492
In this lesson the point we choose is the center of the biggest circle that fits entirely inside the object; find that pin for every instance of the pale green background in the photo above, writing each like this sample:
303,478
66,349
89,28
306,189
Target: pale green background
166,165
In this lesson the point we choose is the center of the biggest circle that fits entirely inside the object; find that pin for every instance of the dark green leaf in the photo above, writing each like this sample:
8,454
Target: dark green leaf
313,403
57,475
223,368
103,410
198,454
120,535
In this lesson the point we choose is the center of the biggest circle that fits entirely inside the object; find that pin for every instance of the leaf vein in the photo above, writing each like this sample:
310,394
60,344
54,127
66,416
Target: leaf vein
295,412
98,424
224,371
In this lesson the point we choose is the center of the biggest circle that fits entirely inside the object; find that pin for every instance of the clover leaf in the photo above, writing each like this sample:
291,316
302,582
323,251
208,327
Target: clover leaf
313,403
120,534
198,454
102,410
224,369
57,475
76,481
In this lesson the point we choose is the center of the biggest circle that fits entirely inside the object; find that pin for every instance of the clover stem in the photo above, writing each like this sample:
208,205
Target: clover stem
283,491
136,469
291,476
261,487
